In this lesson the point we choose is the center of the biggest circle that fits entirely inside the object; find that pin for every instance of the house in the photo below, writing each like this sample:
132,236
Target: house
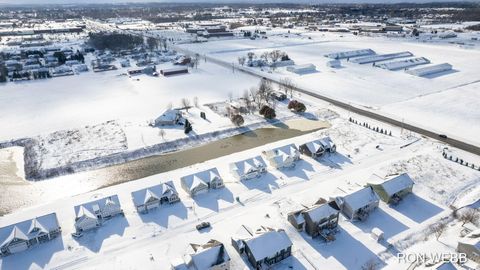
470,245
248,169
321,220
202,181
169,117
359,204
90,215
283,157
296,219
21,236
334,64
393,189
152,197
210,256
318,148
263,248
302,69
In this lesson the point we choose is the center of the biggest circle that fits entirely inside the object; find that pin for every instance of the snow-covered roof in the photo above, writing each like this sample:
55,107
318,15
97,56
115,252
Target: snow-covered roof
26,229
347,54
320,212
397,183
361,198
244,166
314,146
289,149
165,189
169,115
206,258
95,205
202,178
268,244
326,142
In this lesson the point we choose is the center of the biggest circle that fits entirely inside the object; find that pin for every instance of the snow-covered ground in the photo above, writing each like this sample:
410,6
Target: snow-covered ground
394,93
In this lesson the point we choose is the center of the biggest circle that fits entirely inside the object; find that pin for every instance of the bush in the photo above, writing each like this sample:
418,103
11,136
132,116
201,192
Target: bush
263,109
297,106
269,113
237,120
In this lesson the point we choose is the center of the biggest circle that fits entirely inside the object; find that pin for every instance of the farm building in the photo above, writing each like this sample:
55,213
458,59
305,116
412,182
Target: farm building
210,256
174,71
263,248
152,197
248,169
202,181
393,189
318,148
283,157
348,54
21,236
430,70
302,69
359,204
89,215
470,245
334,64
380,57
169,117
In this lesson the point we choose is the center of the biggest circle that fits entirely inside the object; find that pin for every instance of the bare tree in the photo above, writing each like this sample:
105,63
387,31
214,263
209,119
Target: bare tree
275,55
250,56
161,133
438,228
230,96
288,86
264,56
469,215
186,103
241,60
248,101
196,102
370,265
255,96
265,90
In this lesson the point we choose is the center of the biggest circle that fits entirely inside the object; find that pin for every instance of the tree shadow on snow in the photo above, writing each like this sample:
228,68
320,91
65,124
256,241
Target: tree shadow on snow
417,208
93,239
36,257
210,199
382,220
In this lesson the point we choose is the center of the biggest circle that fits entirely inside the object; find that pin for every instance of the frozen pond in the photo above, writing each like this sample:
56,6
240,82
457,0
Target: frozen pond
17,192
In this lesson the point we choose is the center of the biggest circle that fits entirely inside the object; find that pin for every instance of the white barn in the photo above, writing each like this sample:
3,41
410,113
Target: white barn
302,69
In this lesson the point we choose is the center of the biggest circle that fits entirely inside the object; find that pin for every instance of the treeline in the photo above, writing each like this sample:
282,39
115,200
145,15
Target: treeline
114,41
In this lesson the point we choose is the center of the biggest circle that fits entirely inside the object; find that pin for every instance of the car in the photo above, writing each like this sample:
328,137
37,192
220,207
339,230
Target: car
443,136
203,225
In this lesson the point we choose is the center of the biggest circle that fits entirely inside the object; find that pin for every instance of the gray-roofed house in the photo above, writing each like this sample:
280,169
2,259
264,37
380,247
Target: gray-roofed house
248,169
392,189
90,215
359,204
265,247
283,157
318,148
470,245
168,117
152,197
321,220
25,234
210,256
201,182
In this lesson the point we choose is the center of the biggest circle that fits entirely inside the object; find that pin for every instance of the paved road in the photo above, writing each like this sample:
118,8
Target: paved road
361,111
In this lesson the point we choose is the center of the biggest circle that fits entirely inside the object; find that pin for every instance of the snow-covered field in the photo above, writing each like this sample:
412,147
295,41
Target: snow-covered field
450,96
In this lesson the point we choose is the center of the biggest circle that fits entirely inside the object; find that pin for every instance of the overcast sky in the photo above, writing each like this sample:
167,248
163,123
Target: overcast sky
221,1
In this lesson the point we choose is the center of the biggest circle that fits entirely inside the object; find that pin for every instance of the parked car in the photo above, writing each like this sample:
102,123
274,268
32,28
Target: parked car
203,225
279,96
443,136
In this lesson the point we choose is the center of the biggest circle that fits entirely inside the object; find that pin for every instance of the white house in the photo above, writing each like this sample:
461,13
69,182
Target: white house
248,169
201,182
359,204
168,117
283,157
210,256
90,215
152,197
28,233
